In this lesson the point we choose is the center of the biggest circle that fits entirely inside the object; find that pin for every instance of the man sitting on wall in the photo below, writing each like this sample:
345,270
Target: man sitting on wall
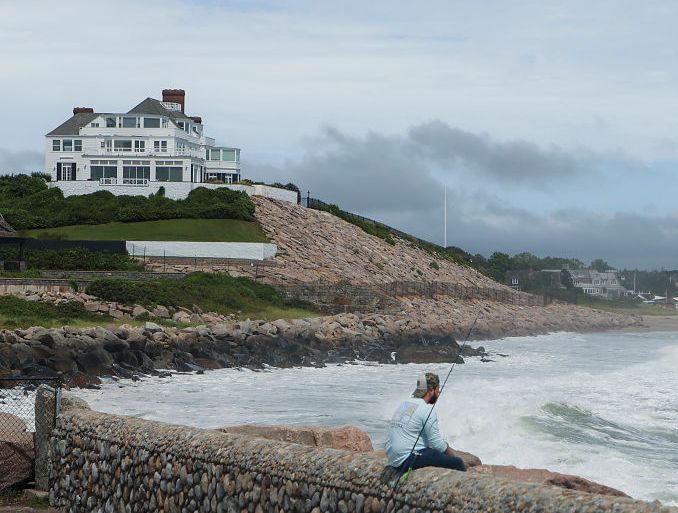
410,422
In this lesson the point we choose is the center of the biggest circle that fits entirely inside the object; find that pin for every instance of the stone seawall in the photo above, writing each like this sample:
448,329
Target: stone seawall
102,462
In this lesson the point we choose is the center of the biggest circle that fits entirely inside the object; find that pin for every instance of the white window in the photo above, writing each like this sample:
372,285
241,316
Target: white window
164,122
56,145
94,125
110,122
77,145
67,145
151,122
130,122
139,146
514,281
160,146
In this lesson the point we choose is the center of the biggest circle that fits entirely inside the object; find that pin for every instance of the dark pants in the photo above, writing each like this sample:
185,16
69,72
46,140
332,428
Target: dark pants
432,458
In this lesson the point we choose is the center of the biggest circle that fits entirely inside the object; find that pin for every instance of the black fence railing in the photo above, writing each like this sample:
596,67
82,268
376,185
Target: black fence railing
317,204
18,419
460,291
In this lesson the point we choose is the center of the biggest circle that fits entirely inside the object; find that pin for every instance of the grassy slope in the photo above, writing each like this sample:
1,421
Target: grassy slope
205,230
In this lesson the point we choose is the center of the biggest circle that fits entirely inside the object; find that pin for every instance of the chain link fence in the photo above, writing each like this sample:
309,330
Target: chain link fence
19,438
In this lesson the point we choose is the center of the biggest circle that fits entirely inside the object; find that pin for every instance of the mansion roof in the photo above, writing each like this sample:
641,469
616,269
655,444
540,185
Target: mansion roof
151,106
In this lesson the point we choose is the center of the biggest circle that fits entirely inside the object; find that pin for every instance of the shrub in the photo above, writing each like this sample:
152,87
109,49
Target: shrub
72,259
26,202
217,292
434,265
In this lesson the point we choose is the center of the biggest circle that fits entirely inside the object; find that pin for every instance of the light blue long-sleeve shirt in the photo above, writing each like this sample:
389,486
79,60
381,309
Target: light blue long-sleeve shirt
404,428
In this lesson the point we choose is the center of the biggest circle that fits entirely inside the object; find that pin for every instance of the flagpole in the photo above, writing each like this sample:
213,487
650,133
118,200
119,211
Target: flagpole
445,201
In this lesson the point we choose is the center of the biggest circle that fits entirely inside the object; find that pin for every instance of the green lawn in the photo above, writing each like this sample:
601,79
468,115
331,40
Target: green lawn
194,230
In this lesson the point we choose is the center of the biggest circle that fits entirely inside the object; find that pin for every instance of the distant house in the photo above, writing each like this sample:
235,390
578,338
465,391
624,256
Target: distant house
595,283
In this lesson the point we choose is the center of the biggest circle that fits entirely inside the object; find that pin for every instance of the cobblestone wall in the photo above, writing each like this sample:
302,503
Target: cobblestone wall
110,463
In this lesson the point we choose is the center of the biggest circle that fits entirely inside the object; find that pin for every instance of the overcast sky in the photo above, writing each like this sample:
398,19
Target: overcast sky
554,125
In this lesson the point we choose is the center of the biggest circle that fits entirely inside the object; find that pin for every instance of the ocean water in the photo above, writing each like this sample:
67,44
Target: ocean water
602,406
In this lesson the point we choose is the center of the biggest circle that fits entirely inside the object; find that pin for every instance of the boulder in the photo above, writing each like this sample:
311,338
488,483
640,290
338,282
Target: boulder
62,363
470,460
347,438
152,327
23,353
16,451
82,380
115,346
428,354
136,341
161,311
139,310
96,362
546,477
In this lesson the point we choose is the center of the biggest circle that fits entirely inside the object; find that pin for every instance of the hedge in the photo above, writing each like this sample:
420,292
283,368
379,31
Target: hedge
27,203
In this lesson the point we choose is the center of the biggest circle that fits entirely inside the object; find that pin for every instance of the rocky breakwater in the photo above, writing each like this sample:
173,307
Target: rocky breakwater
80,356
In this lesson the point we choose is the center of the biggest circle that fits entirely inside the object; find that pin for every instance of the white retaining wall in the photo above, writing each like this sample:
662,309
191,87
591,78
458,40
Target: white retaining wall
173,190
239,250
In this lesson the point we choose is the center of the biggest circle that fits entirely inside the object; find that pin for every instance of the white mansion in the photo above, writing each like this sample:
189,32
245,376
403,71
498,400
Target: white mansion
155,144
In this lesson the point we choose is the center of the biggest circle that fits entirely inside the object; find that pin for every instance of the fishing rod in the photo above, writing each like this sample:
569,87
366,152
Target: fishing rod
412,451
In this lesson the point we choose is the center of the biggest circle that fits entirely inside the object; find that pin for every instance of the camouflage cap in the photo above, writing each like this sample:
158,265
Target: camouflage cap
424,382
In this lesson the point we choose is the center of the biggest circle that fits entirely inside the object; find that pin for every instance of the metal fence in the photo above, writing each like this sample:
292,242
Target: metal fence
19,439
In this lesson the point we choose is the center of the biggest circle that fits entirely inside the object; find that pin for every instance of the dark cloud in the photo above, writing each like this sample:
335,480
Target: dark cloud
396,179
511,162
23,161
385,172
374,172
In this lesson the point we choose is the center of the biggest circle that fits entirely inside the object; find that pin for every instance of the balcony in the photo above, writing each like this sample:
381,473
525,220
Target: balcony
112,153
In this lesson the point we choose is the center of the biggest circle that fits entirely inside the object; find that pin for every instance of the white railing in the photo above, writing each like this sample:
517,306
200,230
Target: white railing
148,153
133,182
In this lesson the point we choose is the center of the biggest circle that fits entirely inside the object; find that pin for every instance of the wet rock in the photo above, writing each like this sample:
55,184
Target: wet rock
347,438
96,362
547,477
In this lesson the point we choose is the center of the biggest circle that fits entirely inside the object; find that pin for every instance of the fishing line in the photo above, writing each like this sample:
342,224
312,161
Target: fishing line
442,387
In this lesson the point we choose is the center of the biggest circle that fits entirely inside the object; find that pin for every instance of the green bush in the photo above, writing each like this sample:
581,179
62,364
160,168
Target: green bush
216,292
19,312
27,203
73,259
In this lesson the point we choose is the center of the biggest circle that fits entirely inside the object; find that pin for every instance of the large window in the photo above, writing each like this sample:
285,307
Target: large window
103,169
151,122
135,171
67,145
160,146
215,154
110,122
122,145
169,174
229,155
56,145
139,146
129,122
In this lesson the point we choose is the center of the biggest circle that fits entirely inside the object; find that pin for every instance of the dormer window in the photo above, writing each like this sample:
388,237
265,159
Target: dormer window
129,122
151,122
110,122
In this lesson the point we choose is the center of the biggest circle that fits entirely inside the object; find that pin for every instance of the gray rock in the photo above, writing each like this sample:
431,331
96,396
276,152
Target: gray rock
152,327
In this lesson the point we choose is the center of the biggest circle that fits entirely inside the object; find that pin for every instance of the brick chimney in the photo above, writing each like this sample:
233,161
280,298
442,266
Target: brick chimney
196,119
83,110
174,96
